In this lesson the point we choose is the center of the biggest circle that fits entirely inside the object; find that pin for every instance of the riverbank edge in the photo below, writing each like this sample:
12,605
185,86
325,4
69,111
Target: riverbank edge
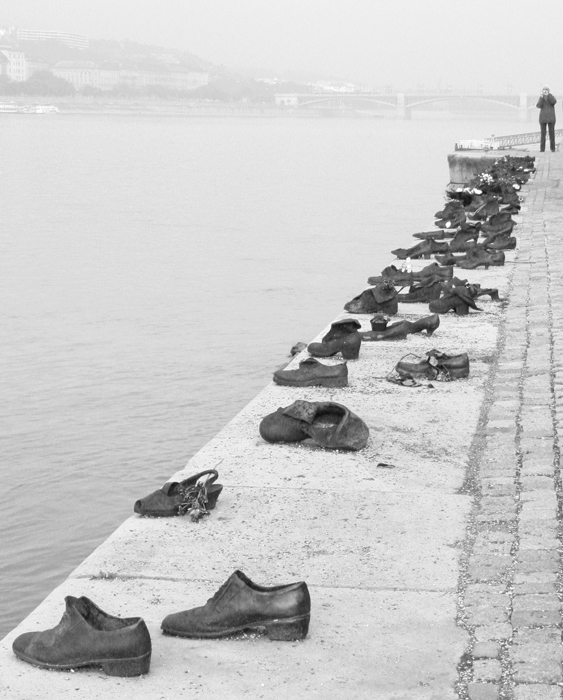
432,482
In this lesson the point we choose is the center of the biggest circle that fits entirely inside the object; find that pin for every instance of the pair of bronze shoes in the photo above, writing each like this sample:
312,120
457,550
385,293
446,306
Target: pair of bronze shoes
87,636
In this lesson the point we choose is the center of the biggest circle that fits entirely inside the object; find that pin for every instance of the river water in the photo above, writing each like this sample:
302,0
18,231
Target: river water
154,271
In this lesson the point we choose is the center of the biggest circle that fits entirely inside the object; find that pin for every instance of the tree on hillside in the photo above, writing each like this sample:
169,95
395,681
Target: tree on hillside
7,86
45,83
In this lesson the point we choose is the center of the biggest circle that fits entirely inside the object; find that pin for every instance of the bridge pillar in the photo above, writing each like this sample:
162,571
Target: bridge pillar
524,113
402,112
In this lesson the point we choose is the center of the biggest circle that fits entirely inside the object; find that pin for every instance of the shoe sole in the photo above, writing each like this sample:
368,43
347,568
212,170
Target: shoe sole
288,630
327,382
135,666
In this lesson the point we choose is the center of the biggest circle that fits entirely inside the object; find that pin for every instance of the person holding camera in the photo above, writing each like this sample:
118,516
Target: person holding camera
547,117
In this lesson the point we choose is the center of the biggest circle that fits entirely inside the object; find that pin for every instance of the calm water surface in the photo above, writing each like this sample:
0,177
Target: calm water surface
153,273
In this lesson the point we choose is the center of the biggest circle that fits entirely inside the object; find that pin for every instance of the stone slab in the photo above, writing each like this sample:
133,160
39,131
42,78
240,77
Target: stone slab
378,540
408,646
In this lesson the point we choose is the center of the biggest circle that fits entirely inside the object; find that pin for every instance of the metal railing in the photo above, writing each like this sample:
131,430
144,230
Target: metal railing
501,142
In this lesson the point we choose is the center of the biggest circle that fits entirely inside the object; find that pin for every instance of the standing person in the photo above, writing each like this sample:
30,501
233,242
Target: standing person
547,117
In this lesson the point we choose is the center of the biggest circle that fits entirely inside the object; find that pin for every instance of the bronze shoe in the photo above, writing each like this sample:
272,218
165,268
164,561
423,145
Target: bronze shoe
88,636
240,604
329,424
194,496
311,372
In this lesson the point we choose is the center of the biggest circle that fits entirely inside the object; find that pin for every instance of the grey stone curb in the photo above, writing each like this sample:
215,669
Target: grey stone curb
510,586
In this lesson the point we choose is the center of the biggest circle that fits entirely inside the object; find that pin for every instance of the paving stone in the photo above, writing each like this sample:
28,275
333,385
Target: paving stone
536,510
545,543
486,650
535,691
482,691
535,618
522,577
487,633
486,670
542,496
537,555
539,528
535,483
537,656
486,615
537,587
538,601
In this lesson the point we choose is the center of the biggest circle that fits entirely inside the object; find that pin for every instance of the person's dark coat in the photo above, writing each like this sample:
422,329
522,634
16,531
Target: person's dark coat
547,110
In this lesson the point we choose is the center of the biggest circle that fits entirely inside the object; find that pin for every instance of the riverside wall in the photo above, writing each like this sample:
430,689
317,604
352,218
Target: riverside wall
431,555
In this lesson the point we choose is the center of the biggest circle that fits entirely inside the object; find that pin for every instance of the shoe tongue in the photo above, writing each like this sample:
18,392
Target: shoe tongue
302,410
309,361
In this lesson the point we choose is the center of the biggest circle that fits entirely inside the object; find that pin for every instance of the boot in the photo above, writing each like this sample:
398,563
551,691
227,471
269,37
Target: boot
342,337
348,346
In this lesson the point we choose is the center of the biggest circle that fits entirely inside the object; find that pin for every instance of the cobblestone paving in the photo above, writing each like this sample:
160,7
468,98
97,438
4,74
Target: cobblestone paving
511,586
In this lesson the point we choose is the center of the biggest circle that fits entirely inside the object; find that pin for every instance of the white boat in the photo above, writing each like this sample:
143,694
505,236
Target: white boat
45,109
10,108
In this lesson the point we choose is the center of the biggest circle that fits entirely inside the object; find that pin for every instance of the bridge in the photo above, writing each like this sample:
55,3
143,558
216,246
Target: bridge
403,103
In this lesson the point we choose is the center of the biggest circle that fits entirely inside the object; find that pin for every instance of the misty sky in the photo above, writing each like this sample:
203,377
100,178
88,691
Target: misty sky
405,43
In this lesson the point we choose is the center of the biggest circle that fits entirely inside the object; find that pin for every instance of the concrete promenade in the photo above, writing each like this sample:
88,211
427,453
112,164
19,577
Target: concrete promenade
432,556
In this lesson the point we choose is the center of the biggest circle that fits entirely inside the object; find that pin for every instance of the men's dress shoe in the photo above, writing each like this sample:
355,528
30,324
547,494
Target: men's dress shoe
240,604
435,365
88,636
311,372
329,424
194,496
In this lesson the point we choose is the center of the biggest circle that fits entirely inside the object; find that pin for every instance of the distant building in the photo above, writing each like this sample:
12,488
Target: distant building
16,68
83,73
76,41
287,100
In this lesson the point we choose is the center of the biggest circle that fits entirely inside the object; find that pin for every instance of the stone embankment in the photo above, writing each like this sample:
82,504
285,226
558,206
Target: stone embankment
432,555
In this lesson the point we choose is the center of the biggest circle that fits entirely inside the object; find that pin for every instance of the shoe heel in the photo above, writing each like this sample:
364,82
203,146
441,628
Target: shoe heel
213,495
288,630
127,667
